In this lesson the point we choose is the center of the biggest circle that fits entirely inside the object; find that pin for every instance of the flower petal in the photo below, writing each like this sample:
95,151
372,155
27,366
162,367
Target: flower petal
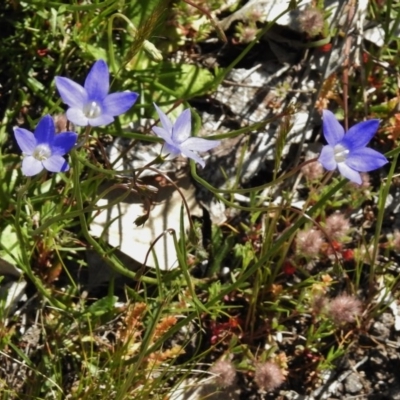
56,164
72,94
31,166
365,160
25,139
171,149
199,144
77,117
163,134
359,135
333,131
165,121
103,119
63,143
118,103
97,82
182,127
349,173
45,131
327,158
189,154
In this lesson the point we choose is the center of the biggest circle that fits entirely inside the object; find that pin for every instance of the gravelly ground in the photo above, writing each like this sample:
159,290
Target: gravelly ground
263,85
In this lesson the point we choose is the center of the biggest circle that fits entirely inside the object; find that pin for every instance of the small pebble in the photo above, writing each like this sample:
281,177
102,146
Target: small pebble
353,383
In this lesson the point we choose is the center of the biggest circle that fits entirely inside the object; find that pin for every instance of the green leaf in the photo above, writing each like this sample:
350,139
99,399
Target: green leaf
96,52
10,244
185,80
102,306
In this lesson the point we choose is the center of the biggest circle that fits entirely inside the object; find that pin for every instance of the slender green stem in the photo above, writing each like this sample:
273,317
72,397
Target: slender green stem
384,192
72,7
148,47
26,265
217,192
109,258
183,264
246,273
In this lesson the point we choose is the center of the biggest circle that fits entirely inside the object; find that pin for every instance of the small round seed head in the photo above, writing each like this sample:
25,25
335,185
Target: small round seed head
312,171
268,376
365,182
224,373
62,124
344,309
246,33
311,21
337,226
308,242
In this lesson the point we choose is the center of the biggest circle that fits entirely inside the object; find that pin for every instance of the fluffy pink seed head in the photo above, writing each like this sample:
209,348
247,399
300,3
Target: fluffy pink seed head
365,182
344,309
337,226
311,21
268,376
62,124
224,373
312,171
309,242
248,34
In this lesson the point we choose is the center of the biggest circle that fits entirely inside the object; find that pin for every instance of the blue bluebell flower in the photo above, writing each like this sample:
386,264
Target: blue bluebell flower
348,152
177,137
91,104
43,148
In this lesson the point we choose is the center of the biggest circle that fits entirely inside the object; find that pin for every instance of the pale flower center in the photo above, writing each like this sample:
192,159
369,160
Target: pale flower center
92,110
42,152
340,153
